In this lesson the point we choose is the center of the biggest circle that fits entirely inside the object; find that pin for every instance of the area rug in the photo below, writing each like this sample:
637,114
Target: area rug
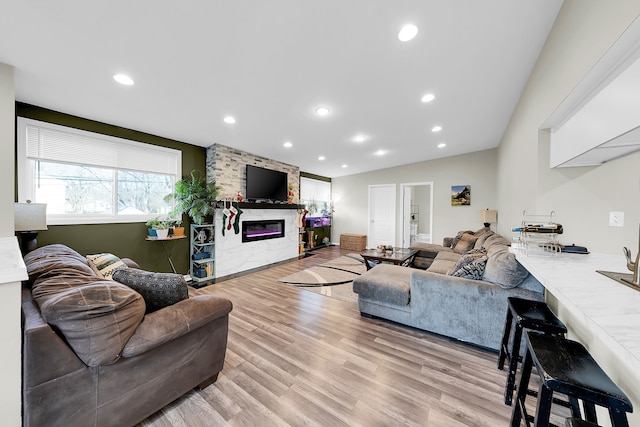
335,272
342,292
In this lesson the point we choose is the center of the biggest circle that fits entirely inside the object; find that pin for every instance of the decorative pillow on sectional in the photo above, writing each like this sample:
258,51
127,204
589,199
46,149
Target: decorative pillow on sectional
158,289
455,240
105,264
467,258
472,270
465,243
503,269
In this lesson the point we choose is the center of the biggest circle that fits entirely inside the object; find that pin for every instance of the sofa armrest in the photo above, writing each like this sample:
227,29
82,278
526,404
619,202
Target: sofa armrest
174,321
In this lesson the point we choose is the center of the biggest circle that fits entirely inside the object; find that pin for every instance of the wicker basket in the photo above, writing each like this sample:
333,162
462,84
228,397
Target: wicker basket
353,242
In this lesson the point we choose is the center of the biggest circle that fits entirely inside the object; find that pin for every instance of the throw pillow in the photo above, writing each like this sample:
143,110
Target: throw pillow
465,243
157,289
467,258
105,264
473,270
456,239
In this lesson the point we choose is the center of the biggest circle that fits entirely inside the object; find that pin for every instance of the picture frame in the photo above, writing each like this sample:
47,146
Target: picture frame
460,195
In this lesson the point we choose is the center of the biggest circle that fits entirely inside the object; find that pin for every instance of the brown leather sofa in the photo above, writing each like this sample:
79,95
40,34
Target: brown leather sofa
93,357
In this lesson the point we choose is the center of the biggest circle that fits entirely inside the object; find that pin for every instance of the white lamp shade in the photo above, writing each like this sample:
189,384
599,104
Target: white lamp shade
30,216
488,216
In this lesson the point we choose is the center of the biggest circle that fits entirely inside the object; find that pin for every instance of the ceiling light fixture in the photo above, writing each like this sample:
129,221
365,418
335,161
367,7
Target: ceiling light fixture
436,129
428,97
321,158
359,138
322,111
345,166
287,144
229,119
442,145
380,153
407,32
123,79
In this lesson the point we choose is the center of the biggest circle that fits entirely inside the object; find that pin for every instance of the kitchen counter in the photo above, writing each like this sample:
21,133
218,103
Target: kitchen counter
600,312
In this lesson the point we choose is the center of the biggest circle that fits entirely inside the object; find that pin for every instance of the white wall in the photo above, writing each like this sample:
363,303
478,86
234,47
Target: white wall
581,197
10,363
476,169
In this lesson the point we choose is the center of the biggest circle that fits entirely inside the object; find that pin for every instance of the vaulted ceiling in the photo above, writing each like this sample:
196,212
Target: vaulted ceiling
270,64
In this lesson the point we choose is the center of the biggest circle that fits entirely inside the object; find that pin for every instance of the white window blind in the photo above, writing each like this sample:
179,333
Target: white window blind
49,142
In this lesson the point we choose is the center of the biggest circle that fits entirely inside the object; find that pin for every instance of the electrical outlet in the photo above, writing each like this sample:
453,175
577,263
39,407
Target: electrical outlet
616,219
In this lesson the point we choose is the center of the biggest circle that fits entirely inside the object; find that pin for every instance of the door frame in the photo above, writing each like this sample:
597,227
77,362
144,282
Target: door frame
402,205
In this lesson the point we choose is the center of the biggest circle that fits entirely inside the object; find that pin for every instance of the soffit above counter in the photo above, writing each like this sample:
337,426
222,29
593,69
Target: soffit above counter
600,119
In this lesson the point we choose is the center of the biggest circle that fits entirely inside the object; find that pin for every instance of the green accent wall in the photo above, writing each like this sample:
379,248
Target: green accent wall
128,239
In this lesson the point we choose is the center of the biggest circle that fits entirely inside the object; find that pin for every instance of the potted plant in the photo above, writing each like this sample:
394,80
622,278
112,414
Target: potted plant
162,229
178,229
151,226
194,196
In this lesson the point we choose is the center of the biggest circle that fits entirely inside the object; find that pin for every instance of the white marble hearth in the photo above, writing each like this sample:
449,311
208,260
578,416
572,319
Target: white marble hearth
233,256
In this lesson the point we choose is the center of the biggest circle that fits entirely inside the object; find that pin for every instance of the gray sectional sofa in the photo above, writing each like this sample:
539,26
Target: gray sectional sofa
462,294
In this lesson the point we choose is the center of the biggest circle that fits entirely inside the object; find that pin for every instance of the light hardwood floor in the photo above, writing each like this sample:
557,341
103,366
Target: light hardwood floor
297,358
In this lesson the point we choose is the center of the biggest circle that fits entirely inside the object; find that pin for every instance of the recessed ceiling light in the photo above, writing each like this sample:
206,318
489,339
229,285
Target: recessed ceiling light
407,32
380,153
287,144
442,145
230,120
359,138
436,129
321,158
123,79
322,111
428,97
345,166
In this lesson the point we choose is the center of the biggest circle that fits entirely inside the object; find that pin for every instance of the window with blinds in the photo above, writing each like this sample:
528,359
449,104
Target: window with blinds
86,177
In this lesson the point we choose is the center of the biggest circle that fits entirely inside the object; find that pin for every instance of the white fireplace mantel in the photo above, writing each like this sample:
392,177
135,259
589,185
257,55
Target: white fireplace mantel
232,256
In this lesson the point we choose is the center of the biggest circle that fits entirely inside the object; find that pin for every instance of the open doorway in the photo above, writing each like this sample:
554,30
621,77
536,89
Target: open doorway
417,212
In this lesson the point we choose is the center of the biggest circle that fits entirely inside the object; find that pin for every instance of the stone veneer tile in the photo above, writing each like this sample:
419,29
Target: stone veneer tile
226,166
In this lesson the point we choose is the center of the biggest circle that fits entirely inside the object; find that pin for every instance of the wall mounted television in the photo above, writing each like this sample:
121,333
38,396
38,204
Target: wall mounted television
266,185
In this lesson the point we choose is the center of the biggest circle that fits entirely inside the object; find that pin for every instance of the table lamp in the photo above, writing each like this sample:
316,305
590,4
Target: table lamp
29,218
488,216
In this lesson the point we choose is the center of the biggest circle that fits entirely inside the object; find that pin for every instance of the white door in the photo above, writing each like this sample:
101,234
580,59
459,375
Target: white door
382,215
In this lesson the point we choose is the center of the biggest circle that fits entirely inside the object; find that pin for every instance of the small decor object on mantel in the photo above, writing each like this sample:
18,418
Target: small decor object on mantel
460,195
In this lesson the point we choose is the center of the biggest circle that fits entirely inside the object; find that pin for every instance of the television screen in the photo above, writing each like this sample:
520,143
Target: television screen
266,184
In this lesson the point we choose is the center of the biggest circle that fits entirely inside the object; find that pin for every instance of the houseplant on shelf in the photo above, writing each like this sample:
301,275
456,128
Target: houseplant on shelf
178,229
194,196
162,229
151,226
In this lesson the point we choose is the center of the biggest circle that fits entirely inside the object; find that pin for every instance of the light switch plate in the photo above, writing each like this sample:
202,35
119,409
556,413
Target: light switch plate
616,219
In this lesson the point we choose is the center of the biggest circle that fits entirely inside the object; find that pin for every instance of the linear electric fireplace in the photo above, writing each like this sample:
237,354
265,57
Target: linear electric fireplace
262,230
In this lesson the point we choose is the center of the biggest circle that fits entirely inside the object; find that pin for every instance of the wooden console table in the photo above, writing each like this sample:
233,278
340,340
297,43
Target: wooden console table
167,246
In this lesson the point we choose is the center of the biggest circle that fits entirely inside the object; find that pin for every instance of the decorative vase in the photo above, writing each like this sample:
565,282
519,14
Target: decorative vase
162,234
152,232
178,231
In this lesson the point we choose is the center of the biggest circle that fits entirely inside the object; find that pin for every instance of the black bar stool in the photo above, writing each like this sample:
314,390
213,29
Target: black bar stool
566,367
525,314
577,422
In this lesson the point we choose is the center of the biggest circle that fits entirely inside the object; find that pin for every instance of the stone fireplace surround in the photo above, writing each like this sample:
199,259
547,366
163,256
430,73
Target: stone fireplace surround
227,167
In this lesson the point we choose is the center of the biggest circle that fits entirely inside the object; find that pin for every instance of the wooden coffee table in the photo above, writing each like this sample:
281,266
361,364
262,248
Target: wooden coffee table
399,256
